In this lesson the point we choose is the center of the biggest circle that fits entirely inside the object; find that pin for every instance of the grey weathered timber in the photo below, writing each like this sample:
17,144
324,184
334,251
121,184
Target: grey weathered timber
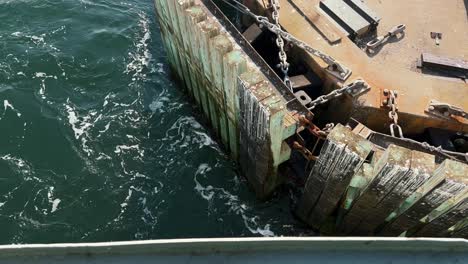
449,180
260,121
206,30
392,167
220,45
234,64
421,168
263,123
461,229
208,61
358,183
189,16
349,152
450,216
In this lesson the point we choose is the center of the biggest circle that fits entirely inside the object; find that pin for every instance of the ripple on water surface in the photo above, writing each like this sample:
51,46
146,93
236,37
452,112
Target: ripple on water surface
97,142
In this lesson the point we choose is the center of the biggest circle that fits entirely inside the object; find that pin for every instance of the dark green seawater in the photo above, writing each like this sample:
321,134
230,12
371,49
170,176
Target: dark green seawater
97,141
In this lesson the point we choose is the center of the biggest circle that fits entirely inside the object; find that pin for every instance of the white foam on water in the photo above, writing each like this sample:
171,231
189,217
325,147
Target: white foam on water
235,205
124,204
6,105
42,87
123,148
106,127
81,125
22,166
141,57
54,202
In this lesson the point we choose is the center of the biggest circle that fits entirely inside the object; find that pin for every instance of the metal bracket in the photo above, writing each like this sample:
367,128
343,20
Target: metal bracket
303,97
358,88
342,75
445,110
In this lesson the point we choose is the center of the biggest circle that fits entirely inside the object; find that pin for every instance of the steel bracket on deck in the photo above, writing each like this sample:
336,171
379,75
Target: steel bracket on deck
446,111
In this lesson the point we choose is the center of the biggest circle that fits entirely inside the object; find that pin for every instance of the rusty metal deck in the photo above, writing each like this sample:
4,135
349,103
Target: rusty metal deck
394,65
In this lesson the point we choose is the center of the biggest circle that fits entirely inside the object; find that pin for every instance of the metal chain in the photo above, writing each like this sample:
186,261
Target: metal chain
393,115
343,73
439,149
283,65
334,67
352,88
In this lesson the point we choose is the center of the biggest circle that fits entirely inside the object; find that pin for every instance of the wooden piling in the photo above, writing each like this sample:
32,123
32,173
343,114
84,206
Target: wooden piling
234,64
421,168
391,168
448,180
445,216
332,173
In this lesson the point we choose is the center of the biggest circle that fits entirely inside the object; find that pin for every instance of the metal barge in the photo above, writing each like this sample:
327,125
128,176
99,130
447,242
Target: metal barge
365,117
245,250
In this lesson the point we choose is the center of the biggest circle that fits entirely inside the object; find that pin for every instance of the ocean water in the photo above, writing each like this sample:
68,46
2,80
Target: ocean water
97,141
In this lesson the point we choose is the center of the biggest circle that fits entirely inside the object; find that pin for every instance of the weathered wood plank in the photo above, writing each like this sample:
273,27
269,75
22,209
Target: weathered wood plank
220,45
316,181
449,180
352,150
234,64
461,229
392,167
358,183
192,16
445,216
206,30
249,80
421,168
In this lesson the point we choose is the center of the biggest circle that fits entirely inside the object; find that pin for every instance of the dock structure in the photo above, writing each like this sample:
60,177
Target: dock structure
244,108
356,181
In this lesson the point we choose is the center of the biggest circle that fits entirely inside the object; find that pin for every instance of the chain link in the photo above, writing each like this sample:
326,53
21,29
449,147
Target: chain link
393,114
342,72
283,57
352,88
334,67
